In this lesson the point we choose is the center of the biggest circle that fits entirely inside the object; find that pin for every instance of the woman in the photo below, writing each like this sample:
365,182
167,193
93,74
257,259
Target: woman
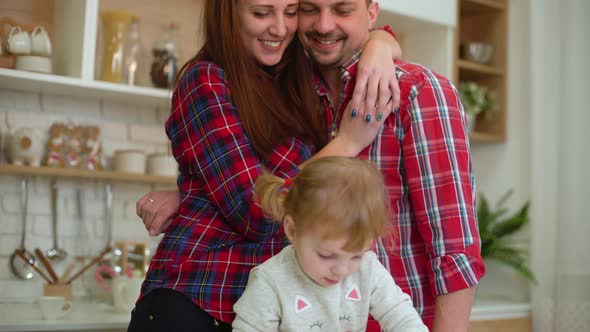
245,103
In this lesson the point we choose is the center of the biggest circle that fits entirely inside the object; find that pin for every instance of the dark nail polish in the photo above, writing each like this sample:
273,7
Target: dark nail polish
354,113
395,109
368,118
379,116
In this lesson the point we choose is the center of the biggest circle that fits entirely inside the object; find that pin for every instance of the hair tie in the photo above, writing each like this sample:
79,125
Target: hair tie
288,182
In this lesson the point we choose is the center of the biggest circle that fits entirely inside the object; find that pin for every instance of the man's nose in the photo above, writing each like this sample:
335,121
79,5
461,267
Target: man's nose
324,23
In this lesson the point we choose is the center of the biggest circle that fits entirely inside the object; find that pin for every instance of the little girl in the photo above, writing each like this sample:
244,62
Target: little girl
327,279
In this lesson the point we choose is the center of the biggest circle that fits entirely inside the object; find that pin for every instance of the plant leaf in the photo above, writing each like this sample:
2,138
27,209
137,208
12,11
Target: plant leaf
514,259
512,224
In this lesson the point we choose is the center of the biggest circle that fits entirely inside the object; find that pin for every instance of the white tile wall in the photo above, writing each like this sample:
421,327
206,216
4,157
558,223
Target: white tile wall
122,126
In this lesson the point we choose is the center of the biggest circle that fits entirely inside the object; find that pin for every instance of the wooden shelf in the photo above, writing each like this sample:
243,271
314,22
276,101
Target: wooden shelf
7,169
470,66
61,85
477,137
477,7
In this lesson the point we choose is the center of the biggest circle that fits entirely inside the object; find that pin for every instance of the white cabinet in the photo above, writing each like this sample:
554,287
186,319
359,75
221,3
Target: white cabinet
74,28
438,12
426,30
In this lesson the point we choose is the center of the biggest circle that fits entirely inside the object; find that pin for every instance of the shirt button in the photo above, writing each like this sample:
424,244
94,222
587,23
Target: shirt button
151,317
333,133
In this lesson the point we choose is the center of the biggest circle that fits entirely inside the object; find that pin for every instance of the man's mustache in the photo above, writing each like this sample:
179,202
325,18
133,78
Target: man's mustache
324,36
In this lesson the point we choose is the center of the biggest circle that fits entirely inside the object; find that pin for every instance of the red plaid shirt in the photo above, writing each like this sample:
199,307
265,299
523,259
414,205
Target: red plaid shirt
219,235
423,153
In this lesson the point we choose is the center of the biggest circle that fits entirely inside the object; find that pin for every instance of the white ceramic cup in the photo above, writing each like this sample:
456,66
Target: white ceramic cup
129,161
19,41
54,307
161,164
40,42
126,292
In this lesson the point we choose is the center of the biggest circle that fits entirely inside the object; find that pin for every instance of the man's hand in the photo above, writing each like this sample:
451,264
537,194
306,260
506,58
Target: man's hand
157,209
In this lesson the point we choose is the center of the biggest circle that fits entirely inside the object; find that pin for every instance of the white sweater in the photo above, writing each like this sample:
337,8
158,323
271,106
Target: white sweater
281,297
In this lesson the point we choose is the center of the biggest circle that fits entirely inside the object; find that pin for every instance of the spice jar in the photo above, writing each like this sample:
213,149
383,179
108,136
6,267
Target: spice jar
165,63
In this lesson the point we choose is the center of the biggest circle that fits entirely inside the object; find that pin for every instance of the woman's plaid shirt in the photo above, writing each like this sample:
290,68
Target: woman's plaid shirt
219,234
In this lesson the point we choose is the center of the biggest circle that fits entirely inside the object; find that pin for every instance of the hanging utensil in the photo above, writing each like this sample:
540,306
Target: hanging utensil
22,265
46,265
21,255
108,191
55,253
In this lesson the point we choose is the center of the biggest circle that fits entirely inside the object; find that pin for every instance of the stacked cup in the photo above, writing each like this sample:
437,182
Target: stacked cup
32,51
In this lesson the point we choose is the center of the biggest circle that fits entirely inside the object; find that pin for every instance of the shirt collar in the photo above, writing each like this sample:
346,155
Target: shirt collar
347,71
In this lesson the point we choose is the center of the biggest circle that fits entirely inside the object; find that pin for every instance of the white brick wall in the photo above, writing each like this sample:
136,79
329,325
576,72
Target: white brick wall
122,126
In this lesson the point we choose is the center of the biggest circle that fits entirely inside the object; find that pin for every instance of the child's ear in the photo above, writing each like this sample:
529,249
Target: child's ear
289,225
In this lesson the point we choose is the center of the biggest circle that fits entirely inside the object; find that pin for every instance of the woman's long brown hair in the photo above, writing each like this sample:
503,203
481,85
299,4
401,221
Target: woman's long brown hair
274,104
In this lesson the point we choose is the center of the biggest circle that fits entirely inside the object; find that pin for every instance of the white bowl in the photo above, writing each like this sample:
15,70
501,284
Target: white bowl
477,52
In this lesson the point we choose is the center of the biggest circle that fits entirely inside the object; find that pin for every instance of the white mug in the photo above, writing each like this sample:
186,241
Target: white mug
40,42
54,307
19,41
126,292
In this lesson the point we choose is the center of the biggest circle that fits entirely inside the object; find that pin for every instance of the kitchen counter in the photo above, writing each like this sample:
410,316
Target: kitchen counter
86,316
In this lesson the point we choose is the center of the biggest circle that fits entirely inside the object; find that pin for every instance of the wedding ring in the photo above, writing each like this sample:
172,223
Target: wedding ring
151,200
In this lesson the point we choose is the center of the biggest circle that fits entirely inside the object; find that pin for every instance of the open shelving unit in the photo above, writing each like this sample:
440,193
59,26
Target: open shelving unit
485,21
74,28
107,176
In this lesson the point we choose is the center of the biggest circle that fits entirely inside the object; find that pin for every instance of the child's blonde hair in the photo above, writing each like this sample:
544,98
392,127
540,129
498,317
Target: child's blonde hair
345,196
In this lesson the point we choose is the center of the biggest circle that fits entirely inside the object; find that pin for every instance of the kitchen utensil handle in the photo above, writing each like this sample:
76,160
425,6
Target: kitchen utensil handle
108,191
24,205
46,264
54,211
87,266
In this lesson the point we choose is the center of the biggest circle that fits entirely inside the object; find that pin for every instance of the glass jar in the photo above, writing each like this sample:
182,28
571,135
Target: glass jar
133,54
165,58
115,25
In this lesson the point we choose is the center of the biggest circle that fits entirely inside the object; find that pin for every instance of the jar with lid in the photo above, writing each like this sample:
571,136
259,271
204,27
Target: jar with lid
133,53
165,63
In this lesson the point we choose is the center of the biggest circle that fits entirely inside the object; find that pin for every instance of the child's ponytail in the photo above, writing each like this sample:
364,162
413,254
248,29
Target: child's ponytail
271,192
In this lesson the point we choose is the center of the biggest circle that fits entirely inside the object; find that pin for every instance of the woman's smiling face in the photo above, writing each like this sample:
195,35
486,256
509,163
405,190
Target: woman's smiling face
267,28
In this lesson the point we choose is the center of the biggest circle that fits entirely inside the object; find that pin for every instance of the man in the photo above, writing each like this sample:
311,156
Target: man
423,154
422,151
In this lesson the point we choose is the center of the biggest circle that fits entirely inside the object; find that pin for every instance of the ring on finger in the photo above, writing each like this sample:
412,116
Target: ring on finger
151,200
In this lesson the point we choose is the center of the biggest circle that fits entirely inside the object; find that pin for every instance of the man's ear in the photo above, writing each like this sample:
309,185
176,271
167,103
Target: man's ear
373,13
289,226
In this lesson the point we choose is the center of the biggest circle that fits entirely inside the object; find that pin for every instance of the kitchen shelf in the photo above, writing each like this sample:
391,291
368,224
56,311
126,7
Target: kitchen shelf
61,85
485,21
476,68
474,7
7,169
479,137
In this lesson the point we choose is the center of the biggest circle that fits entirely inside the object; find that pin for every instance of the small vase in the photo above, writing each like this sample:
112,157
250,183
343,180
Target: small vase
115,25
471,120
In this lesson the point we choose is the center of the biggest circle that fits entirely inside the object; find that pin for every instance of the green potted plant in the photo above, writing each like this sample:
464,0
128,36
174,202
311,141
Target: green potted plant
494,226
476,100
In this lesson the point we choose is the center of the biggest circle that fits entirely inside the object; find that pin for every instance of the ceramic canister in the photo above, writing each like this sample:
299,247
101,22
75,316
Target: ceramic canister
129,161
161,164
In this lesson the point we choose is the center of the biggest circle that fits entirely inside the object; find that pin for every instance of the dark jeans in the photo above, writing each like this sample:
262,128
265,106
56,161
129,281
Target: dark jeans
168,310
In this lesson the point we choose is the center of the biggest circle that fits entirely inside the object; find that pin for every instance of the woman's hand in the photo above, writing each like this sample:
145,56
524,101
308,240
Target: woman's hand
157,209
376,86
357,133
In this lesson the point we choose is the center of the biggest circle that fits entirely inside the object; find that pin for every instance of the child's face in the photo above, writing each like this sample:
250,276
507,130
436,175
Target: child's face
324,261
